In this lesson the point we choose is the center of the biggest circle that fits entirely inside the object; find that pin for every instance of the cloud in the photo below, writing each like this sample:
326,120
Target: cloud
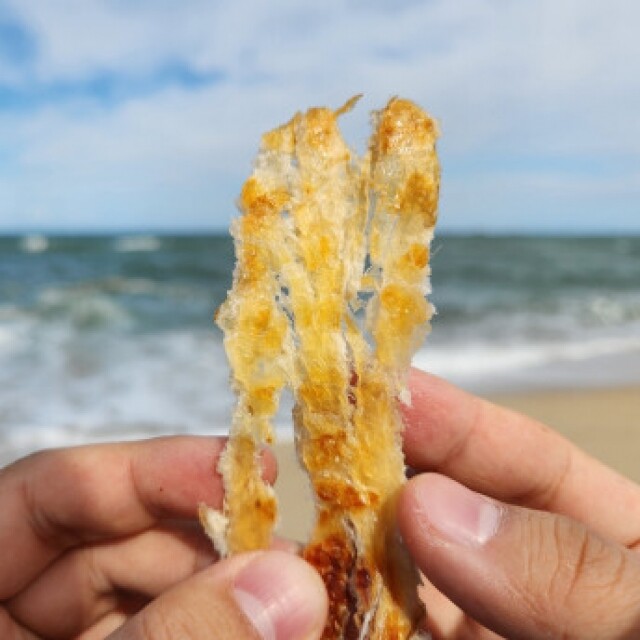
154,108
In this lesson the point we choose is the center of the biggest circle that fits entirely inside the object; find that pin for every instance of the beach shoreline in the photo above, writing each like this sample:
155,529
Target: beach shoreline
604,421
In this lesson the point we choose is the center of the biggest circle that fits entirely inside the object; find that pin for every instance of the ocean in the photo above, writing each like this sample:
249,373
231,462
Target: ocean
111,337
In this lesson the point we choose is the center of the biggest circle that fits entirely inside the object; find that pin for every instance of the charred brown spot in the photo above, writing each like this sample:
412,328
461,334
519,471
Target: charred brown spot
353,382
360,601
363,579
267,507
348,581
333,558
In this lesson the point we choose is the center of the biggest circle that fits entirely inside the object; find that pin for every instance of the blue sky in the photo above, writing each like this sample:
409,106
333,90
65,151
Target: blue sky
146,114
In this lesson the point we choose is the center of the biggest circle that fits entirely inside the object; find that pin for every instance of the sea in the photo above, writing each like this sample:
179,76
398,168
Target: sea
112,336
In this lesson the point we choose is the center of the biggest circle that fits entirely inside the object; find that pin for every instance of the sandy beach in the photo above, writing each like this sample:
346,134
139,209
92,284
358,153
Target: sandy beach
605,422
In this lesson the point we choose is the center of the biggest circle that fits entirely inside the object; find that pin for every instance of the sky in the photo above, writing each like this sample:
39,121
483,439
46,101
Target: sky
146,114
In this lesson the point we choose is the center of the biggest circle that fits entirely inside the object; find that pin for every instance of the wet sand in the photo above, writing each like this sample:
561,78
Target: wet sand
604,422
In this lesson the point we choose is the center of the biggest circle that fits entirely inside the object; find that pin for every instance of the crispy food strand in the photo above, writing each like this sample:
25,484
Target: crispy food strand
329,298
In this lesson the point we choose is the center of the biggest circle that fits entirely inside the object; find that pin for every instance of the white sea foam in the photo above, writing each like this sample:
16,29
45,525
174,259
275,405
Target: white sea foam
6,339
15,329
56,375
484,363
67,389
34,243
82,306
127,244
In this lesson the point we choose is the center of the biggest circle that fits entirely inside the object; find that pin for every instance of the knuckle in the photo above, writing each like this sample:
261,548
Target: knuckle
47,525
188,615
599,580
588,567
567,569
151,627
538,563
92,569
158,623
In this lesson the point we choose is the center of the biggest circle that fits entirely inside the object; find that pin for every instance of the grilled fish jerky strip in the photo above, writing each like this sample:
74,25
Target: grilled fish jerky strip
257,341
340,214
358,469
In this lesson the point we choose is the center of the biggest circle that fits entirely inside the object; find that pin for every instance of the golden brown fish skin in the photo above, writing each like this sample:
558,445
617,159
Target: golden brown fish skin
313,216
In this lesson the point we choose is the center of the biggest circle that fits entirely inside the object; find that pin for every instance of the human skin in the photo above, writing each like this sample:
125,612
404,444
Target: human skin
103,540
519,533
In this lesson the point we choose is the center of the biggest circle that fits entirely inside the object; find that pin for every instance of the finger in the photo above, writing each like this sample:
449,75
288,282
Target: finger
56,499
106,625
446,621
11,630
515,459
522,573
111,621
87,583
271,595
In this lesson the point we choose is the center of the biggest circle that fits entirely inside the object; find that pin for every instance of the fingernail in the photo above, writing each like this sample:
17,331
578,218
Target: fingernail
281,595
459,515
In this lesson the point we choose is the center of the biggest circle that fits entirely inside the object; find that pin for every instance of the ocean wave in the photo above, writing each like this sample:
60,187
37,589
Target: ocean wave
553,320
7,339
142,286
102,341
483,361
131,285
82,307
608,310
59,376
128,244
16,330
34,243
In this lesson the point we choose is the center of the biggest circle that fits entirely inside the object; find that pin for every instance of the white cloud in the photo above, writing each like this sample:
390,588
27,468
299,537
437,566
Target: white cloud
540,80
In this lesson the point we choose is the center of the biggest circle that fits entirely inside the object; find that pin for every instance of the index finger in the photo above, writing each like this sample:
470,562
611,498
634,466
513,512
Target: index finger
55,500
515,459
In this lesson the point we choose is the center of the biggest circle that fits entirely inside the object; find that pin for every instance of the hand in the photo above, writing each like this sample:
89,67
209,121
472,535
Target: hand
104,540
526,534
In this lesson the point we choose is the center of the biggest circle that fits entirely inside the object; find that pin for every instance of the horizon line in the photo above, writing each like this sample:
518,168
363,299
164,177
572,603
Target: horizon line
224,231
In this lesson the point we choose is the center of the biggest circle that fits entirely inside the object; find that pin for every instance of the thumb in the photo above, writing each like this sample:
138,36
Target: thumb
521,573
271,595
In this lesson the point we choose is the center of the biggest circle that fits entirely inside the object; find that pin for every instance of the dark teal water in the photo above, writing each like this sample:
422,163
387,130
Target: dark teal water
101,333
